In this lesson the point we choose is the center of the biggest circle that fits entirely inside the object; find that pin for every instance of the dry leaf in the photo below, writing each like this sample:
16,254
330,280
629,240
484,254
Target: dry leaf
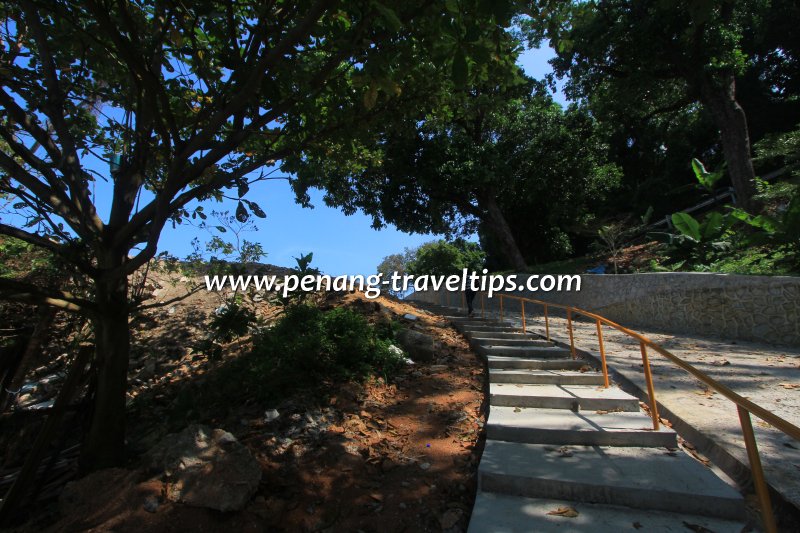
567,512
564,452
696,528
790,385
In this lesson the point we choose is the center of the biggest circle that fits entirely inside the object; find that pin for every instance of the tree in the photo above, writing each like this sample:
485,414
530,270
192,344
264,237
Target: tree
486,156
441,258
662,56
396,263
181,101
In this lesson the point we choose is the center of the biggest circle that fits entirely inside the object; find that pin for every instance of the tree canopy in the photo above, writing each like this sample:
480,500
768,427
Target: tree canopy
634,61
487,155
441,258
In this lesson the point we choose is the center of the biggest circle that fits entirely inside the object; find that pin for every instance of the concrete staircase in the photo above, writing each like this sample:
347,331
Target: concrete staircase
556,439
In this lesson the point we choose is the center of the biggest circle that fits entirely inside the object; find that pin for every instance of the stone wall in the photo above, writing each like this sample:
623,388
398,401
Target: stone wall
753,308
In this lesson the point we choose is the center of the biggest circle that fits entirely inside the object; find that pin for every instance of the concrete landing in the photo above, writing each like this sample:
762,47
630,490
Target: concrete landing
574,397
560,426
633,477
497,513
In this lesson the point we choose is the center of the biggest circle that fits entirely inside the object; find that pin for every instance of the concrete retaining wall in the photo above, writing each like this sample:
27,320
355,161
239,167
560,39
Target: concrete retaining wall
753,308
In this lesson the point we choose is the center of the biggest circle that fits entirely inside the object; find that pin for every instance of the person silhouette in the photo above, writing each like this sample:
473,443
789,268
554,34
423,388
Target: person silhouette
469,295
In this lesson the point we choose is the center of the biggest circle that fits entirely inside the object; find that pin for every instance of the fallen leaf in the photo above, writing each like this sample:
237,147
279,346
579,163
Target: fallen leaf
567,512
720,362
564,452
696,528
790,385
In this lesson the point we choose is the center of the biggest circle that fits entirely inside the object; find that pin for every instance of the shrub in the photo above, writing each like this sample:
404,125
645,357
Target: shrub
232,320
312,344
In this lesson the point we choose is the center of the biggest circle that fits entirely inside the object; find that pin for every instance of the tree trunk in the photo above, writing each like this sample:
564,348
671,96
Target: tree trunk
719,96
497,224
105,441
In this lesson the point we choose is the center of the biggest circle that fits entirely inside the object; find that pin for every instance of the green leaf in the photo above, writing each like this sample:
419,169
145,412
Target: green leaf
370,97
687,225
389,16
256,209
707,179
712,226
241,213
460,68
243,188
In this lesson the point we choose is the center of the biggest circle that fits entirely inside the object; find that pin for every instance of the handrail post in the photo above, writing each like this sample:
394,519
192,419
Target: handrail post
546,324
571,337
762,492
501,308
522,302
602,352
648,376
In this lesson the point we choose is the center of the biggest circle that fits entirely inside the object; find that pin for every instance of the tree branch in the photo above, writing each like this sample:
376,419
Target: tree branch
28,293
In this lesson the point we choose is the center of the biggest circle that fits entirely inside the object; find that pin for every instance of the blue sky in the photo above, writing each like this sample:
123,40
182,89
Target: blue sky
341,244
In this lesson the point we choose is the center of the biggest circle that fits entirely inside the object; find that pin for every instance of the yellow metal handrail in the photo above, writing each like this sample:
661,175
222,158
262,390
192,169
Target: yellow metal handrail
744,406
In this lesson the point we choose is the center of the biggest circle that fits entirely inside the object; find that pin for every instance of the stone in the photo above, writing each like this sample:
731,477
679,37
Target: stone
419,346
450,518
409,316
150,504
271,414
206,468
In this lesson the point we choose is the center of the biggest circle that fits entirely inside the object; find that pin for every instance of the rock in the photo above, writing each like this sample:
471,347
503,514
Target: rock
409,316
206,468
450,518
419,346
271,414
150,504
425,466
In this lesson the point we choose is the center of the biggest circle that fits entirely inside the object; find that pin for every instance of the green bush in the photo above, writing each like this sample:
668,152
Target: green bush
312,344
306,348
232,320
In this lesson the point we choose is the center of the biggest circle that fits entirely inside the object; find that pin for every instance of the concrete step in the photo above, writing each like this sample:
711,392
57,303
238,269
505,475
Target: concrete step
522,341
470,329
515,335
476,320
575,397
540,377
561,426
535,352
643,478
497,513
512,335
501,361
